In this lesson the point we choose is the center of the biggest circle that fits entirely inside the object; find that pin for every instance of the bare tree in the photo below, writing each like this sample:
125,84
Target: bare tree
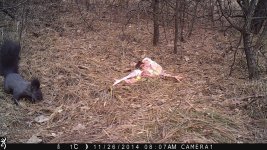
193,18
259,16
176,26
182,18
155,4
248,8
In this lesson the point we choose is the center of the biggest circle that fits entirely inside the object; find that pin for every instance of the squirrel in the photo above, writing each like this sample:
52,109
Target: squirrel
13,81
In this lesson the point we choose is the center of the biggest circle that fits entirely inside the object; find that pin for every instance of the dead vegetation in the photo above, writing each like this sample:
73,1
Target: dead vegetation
77,67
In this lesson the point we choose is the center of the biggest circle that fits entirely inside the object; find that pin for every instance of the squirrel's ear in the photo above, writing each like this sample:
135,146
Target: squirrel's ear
35,83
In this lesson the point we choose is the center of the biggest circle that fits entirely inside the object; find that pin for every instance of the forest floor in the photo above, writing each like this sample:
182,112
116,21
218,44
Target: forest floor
77,68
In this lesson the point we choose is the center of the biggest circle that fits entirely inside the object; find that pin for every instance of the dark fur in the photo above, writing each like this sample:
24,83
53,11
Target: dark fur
9,57
13,82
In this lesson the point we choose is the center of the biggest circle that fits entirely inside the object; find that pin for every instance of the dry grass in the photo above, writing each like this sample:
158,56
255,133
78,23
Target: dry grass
77,67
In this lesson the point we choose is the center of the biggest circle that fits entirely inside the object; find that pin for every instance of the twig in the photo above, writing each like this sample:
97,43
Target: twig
14,6
227,18
164,27
4,25
251,97
232,65
22,22
80,11
7,13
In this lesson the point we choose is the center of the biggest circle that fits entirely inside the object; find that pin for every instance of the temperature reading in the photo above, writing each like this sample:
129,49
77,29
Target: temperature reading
74,146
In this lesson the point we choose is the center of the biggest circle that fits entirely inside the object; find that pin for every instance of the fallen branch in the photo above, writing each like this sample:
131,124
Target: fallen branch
251,97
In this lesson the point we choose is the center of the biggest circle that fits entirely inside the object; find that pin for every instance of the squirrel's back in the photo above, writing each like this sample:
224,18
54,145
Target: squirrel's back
9,57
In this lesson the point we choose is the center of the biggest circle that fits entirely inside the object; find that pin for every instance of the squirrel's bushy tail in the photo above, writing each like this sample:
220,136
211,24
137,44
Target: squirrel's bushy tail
9,57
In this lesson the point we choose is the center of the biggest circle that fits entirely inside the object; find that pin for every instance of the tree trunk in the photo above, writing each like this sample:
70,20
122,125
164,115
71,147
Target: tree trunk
156,22
250,56
247,41
176,27
259,16
193,19
211,12
261,44
182,18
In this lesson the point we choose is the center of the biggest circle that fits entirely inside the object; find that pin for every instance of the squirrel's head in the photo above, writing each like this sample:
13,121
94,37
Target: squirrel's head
36,92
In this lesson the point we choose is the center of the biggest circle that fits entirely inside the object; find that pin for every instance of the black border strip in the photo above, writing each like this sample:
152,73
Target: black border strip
132,146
